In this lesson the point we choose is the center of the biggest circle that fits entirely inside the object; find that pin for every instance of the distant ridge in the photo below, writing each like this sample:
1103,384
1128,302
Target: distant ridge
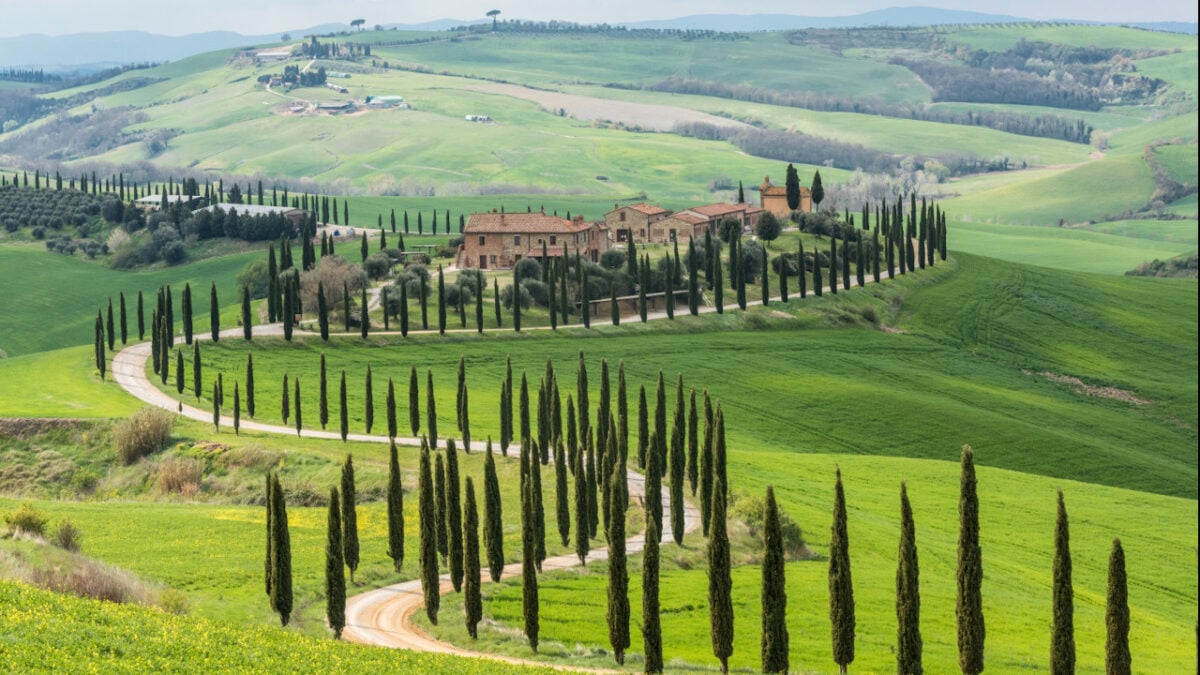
893,16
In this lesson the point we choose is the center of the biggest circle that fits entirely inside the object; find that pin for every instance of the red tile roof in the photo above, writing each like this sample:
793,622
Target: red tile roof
648,209
522,223
689,218
717,210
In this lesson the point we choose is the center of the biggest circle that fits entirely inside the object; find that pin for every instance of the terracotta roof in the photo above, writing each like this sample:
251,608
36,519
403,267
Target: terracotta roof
648,209
717,210
769,189
522,223
689,218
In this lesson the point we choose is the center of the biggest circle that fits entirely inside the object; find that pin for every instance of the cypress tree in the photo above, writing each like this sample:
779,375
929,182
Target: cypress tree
693,280
493,531
343,411
247,327
841,586
268,563
439,503
296,397
581,510
237,404
404,310
414,396
441,289
846,258
216,404
454,525
539,511
281,556
1062,632
1117,660
141,318
391,409
651,622
792,188
802,272
185,302
774,591
969,599
693,443
862,264
783,282
766,279
719,474
289,311
833,266
706,463
908,595
214,313
472,600
324,395
618,573
430,411
572,435
322,311
592,480
349,517
720,583
179,372
561,507
124,320
818,283
335,574
395,509
462,385
250,384
368,401
496,301
678,463
479,304
529,583
523,411
428,545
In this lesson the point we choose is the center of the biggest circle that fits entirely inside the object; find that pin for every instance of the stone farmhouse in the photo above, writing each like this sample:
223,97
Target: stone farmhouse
500,240
653,224
774,198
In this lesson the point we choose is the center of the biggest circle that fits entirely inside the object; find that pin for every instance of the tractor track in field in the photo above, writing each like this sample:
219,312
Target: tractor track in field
384,616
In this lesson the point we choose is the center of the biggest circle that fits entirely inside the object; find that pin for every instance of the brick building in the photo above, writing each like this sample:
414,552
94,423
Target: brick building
680,226
635,217
499,240
774,198
747,215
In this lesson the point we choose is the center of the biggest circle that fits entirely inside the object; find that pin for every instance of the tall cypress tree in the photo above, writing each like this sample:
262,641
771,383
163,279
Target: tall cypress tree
618,573
439,505
141,317
454,526
349,517
247,326
427,520
908,595
969,598
124,320
1117,660
214,313
281,556
237,403
404,310
185,302
441,289
430,411
581,510
323,402
335,573
651,621
368,401
322,311
562,508
269,561
643,427
678,464
833,265
391,409
841,586
414,397
296,400
818,283
592,480
1062,632
472,599
395,509
706,463
693,443
774,591
343,409
493,531
720,583
529,582
364,324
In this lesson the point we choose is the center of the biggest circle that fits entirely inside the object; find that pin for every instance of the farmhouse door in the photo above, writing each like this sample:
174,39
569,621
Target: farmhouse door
483,262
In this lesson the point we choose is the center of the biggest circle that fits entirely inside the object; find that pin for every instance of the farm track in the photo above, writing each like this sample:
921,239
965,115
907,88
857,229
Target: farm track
384,616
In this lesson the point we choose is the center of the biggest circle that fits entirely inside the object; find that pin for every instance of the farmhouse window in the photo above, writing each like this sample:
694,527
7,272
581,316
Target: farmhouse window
622,216
553,240
517,240
482,240
672,234
493,260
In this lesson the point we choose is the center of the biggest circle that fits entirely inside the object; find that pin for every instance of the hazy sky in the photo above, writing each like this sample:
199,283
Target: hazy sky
260,17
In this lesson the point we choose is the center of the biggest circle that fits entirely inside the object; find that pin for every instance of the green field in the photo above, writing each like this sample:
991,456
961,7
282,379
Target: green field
1001,37
1017,524
60,633
1180,161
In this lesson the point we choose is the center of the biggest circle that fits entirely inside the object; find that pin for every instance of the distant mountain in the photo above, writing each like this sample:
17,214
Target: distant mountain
893,16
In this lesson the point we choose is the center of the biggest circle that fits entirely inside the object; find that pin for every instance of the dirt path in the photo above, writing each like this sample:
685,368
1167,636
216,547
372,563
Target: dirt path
652,116
384,616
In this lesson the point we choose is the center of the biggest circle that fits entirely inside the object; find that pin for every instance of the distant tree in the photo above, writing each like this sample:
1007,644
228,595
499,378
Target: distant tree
390,405
237,404
296,399
179,382
285,408
792,185
969,598
472,599
430,411
185,303
247,328
720,583
214,313
343,409
414,398
908,595
323,400
493,532
1062,630
395,510
368,401
281,556
427,520
493,14
741,193
817,190
335,573
841,587
768,227
364,315
322,311
774,592
357,23
1116,615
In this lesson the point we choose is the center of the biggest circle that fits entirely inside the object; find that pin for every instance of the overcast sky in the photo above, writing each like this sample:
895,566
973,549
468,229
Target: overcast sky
260,17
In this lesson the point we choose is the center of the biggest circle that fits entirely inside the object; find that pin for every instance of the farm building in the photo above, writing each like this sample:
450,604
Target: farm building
281,54
386,102
483,119
774,198
636,217
297,216
345,106
155,201
499,240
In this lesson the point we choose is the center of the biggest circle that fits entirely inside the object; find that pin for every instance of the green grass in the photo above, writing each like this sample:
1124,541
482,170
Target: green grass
58,296
958,371
1104,248
1001,37
60,633
60,383
1179,161
1017,524
1184,207
1178,69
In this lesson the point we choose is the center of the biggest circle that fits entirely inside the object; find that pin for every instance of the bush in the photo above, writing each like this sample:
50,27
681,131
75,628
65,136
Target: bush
146,431
506,297
174,602
750,510
528,268
181,475
377,266
255,277
26,519
612,259
67,536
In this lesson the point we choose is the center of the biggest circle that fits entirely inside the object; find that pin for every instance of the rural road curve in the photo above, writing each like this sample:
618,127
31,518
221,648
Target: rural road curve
384,616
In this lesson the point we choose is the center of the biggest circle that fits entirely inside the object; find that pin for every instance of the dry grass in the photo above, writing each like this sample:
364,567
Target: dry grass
146,431
180,475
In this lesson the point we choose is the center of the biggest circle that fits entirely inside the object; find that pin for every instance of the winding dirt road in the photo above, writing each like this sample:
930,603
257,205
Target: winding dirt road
384,616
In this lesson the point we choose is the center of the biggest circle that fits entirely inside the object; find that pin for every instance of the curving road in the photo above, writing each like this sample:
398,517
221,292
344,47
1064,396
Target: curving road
384,616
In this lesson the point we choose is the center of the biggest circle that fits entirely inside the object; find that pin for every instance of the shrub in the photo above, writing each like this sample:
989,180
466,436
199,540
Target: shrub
528,268
90,579
67,536
377,266
173,602
26,519
749,509
506,297
612,259
146,431
181,475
